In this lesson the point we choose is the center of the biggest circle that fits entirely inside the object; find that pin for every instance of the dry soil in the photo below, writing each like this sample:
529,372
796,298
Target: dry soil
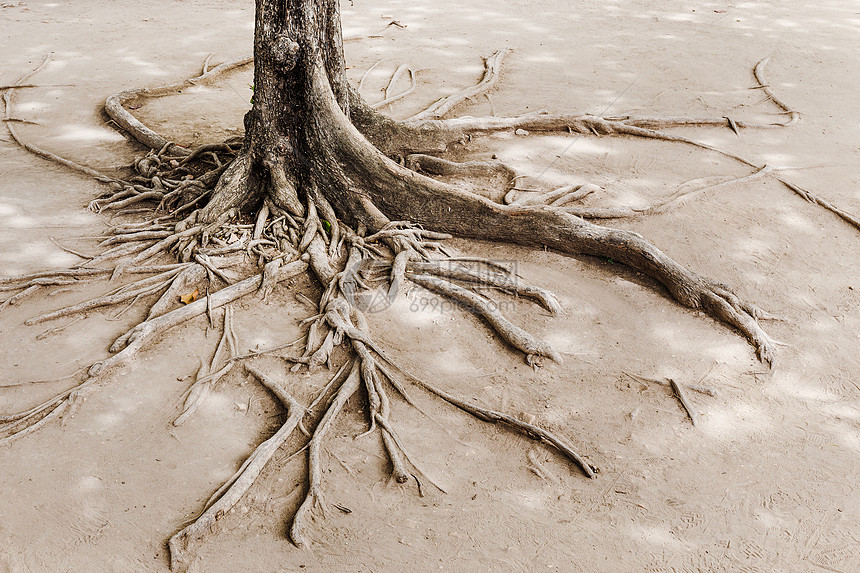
765,483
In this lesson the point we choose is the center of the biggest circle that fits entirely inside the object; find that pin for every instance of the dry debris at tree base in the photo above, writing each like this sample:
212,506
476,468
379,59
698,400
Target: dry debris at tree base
288,235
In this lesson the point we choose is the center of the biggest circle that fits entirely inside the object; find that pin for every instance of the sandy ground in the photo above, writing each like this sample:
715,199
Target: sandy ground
765,483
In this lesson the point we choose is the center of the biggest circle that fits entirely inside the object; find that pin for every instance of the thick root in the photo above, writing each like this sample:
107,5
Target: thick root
492,70
439,166
505,282
312,499
403,194
115,106
486,309
140,288
189,276
181,544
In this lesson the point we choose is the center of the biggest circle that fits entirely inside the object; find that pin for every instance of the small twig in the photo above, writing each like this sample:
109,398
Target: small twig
58,329
19,86
678,390
492,105
19,120
685,402
304,299
68,250
209,308
394,23
704,390
128,307
366,74
266,351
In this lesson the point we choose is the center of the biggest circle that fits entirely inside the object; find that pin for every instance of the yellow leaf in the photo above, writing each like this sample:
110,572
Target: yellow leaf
189,298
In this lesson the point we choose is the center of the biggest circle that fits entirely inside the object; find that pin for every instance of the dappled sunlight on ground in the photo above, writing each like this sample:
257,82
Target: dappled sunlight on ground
796,221
147,67
34,107
844,410
804,387
736,421
87,134
108,421
416,309
453,361
528,500
47,254
569,344
847,436
658,536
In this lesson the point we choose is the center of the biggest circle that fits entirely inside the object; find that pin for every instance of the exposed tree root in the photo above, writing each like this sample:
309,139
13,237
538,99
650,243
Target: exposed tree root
486,309
35,149
389,98
562,198
440,166
312,499
438,134
181,544
220,365
142,287
492,69
336,188
526,428
114,106
502,280
125,347
847,217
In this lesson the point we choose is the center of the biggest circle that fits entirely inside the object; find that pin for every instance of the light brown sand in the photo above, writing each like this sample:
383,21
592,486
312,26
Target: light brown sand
766,483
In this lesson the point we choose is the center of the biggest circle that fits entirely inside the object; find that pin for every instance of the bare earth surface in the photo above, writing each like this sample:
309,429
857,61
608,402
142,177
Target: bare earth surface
766,482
